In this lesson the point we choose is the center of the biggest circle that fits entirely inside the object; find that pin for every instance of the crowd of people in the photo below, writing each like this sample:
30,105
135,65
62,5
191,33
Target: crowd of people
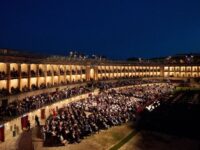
18,107
110,108
3,92
14,73
28,104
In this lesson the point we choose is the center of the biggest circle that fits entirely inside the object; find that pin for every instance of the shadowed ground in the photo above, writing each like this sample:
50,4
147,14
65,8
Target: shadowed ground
25,141
155,141
103,140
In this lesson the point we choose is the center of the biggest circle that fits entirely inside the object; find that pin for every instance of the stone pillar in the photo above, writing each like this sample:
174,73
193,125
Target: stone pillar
95,73
81,77
65,69
45,74
20,77
109,72
75,80
29,76
37,75
52,75
58,66
87,73
162,71
8,77
70,74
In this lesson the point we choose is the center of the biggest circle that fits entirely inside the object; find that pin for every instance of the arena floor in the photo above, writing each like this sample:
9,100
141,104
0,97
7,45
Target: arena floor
100,141
143,140
155,141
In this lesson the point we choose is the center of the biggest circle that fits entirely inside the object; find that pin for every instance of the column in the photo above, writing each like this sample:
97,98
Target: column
20,77
8,77
37,75
29,76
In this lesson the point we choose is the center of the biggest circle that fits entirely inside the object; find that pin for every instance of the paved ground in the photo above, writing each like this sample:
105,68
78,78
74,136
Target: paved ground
10,144
106,139
156,141
25,141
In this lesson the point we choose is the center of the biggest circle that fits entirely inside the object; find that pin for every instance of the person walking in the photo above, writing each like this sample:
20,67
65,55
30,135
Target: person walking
37,120
28,126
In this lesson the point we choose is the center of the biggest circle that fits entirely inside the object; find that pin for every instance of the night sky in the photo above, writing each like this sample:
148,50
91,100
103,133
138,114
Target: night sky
116,28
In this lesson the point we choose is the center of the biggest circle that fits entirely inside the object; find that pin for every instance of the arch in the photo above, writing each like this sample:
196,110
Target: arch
92,75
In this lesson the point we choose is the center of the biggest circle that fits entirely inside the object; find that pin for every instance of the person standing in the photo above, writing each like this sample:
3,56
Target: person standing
37,120
28,126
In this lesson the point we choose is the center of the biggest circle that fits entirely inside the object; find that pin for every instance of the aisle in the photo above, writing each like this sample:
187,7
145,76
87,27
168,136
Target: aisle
25,141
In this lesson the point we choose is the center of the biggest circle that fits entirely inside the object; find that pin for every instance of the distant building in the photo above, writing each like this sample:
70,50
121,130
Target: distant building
20,72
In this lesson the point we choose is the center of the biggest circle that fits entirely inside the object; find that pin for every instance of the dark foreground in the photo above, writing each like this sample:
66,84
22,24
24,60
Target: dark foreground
174,121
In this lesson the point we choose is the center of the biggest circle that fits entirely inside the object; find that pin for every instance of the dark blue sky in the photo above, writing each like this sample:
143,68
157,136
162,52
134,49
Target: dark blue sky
115,28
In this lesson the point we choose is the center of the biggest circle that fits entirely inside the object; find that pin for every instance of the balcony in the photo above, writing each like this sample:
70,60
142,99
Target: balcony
14,74
3,75
62,72
24,74
33,73
49,73
41,73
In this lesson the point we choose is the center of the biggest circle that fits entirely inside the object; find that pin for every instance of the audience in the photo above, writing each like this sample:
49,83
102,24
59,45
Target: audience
24,74
25,89
15,90
49,73
62,72
33,73
14,73
3,92
3,75
110,108
41,72
17,108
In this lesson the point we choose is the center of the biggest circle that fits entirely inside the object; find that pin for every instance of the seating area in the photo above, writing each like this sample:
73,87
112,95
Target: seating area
24,74
19,107
33,73
111,107
3,92
28,104
15,90
14,73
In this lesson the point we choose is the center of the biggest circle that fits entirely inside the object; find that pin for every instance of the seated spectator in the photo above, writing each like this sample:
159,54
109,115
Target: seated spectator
61,72
24,74
15,90
3,75
3,92
49,73
25,89
41,72
34,87
42,86
55,73
14,73
33,73
49,85
67,72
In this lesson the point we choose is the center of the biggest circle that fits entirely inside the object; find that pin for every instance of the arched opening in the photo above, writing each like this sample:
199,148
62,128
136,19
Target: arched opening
92,74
